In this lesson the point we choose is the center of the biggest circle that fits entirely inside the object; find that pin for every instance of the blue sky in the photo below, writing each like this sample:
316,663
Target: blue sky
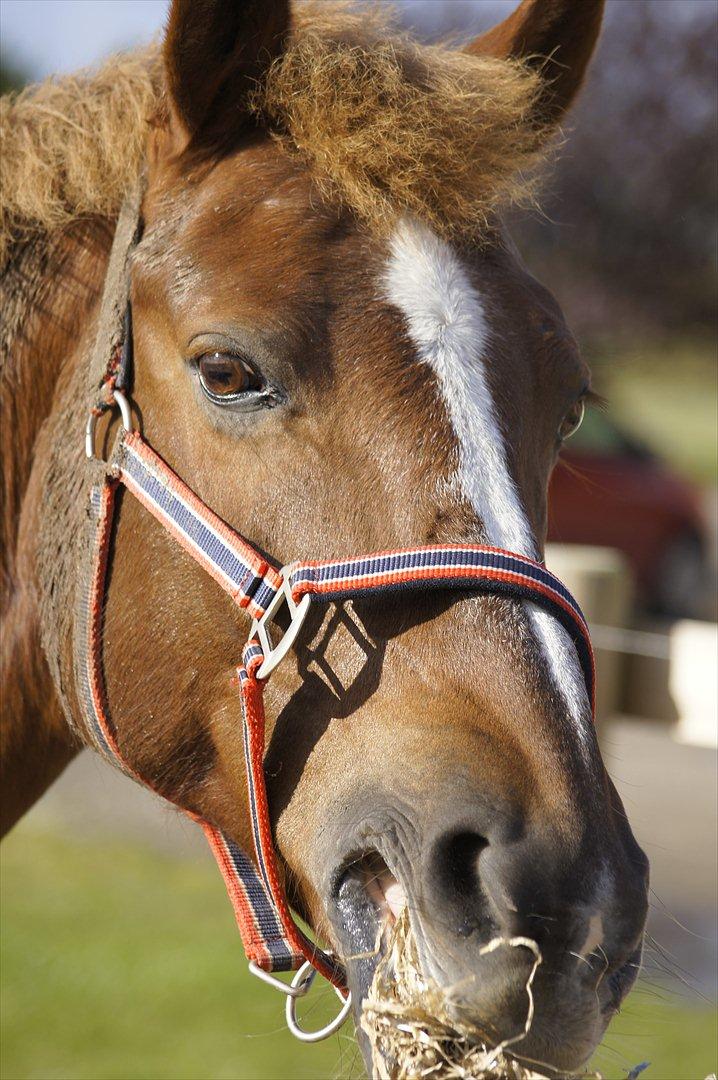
44,36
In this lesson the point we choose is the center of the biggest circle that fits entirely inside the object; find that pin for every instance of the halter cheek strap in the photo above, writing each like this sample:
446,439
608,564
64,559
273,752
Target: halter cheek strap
267,943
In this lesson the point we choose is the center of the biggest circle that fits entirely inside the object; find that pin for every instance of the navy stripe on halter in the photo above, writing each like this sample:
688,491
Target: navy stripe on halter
265,915
435,559
212,546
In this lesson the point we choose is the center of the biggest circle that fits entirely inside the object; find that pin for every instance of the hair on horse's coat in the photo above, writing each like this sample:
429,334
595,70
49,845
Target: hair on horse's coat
384,124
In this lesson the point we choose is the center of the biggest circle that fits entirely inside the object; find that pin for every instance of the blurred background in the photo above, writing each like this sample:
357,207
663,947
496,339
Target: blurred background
119,954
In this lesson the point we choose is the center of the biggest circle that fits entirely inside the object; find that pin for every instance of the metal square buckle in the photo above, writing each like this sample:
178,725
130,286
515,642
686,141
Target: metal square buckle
274,654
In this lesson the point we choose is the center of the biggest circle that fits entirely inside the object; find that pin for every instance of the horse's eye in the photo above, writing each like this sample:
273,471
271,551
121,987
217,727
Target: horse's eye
572,420
225,377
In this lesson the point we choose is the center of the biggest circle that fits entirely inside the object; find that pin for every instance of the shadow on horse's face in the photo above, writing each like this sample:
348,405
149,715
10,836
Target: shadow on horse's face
329,391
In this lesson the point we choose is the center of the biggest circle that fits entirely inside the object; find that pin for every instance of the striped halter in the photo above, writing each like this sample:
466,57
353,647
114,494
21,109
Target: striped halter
272,940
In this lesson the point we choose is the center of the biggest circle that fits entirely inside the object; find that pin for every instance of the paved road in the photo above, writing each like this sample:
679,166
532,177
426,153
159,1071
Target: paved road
670,793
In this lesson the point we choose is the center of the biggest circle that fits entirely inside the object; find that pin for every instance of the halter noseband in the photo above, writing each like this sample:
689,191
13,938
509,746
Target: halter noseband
272,940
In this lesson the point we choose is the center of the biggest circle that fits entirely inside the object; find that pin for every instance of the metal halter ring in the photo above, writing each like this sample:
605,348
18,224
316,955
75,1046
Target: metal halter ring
125,412
302,981
271,980
273,654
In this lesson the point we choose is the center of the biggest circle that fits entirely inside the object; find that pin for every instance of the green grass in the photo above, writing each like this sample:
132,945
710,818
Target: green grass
118,964
681,1043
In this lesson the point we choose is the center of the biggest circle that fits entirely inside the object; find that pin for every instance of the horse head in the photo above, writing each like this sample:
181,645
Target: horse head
337,346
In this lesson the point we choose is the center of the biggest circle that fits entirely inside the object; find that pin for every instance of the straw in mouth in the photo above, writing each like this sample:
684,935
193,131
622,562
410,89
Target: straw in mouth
407,1020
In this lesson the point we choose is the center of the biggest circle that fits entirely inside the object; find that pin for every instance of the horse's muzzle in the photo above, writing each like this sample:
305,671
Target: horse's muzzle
477,881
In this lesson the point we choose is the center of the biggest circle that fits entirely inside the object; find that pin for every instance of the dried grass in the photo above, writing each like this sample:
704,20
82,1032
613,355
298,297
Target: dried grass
413,1034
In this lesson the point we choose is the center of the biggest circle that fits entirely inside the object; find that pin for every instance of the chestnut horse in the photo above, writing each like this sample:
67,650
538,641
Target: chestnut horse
338,348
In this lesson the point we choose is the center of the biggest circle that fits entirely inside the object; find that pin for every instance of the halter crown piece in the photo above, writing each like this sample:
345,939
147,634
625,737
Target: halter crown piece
272,940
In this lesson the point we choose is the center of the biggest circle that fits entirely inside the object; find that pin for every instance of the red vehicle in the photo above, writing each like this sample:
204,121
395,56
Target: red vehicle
611,491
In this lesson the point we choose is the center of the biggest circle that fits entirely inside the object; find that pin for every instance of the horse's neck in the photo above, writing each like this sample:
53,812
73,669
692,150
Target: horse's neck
49,294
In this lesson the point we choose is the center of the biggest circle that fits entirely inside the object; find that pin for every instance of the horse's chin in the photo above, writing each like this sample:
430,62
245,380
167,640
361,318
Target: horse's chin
366,902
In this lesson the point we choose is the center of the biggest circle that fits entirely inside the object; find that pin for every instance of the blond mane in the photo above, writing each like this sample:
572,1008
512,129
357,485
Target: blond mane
385,125
72,146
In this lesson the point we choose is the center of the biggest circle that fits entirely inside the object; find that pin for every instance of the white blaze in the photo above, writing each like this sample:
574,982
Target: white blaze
447,323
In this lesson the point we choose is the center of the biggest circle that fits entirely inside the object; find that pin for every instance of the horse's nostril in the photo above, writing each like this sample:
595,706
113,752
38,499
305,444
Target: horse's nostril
457,860
456,877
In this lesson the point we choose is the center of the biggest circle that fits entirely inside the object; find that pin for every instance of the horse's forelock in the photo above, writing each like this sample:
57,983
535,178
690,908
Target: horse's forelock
384,125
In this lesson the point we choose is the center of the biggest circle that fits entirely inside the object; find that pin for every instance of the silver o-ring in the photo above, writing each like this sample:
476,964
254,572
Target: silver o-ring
305,976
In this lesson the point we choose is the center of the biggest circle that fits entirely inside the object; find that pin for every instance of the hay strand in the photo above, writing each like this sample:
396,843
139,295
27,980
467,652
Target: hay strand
413,1034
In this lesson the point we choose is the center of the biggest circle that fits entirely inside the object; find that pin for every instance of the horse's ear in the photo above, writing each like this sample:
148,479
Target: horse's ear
214,53
557,36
